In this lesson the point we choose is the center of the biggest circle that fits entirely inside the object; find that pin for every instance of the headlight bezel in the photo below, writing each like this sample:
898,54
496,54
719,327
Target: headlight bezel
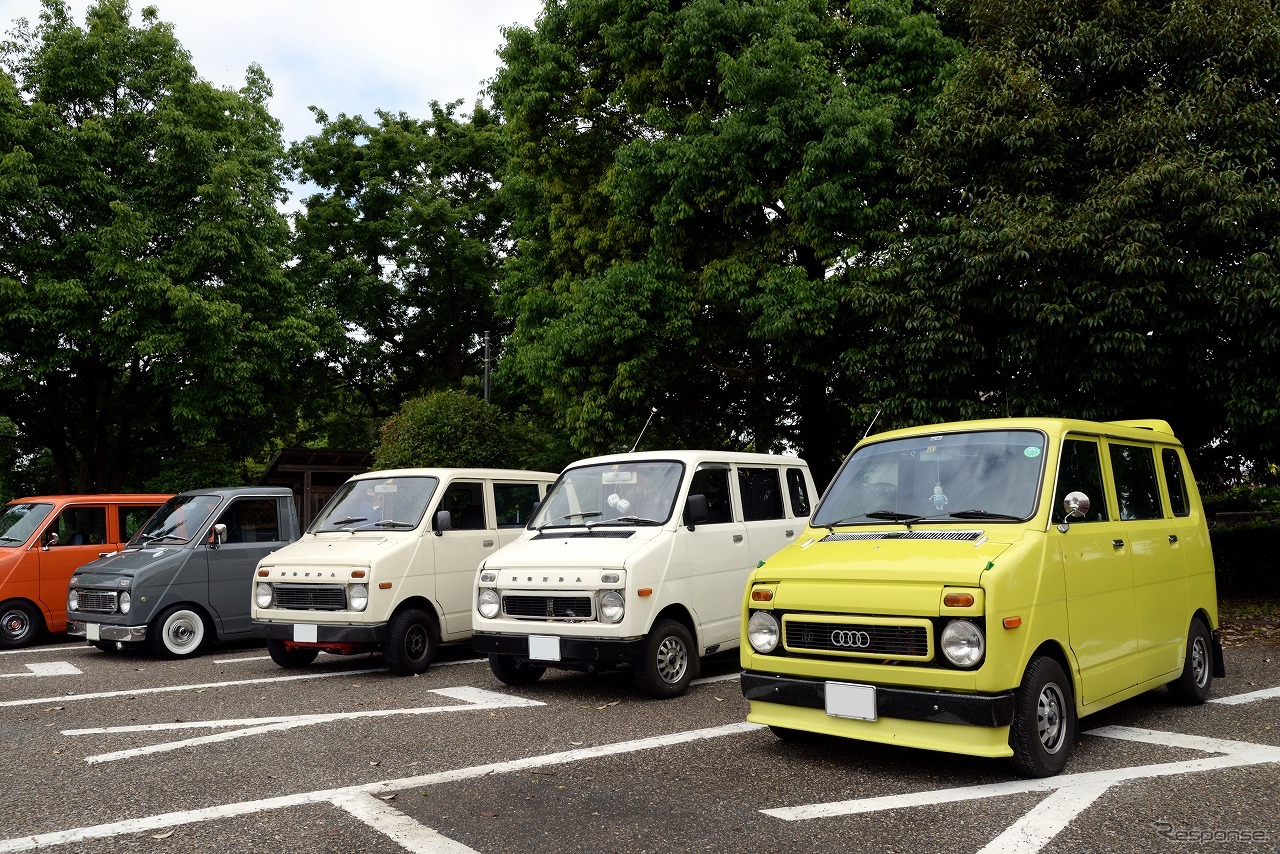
613,606
488,603
764,632
259,589
357,597
124,602
73,599
963,644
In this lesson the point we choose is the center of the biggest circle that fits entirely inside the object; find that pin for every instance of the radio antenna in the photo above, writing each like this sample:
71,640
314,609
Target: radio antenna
872,424
652,412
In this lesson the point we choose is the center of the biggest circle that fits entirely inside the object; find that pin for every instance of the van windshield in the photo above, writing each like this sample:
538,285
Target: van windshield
377,504
180,519
627,493
19,521
989,475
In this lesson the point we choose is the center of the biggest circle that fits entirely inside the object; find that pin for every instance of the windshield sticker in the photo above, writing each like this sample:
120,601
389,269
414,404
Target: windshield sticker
1031,452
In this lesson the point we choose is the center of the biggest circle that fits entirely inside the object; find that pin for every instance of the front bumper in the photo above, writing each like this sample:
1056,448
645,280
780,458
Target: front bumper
107,631
373,633
573,650
985,710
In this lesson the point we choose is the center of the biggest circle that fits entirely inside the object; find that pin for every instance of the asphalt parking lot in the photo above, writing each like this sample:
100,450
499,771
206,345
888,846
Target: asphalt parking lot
228,752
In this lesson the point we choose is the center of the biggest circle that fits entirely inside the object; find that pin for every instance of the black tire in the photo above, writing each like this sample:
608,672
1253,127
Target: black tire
1044,720
179,632
512,671
669,661
411,642
1192,686
795,736
298,656
112,647
20,624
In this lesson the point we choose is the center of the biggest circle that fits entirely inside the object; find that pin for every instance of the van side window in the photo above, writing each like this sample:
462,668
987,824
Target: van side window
1137,490
1177,483
132,519
251,520
513,503
82,526
761,490
465,503
714,484
1080,471
799,492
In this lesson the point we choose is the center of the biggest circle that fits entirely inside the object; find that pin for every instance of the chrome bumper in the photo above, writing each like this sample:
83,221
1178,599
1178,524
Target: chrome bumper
107,632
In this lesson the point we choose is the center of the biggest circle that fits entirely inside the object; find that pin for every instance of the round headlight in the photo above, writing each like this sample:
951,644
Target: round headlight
126,601
763,631
487,603
963,644
612,606
262,595
358,597
73,599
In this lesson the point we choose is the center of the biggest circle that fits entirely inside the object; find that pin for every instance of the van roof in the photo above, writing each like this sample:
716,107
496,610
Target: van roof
443,473
105,498
695,457
1142,429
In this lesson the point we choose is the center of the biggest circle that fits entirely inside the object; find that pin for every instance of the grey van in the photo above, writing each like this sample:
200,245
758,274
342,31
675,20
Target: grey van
185,578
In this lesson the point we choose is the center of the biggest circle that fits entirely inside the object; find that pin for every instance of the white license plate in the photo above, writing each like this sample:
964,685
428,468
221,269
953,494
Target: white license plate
92,631
544,648
305,634
851,701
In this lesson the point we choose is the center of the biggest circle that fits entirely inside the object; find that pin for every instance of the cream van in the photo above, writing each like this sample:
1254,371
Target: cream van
389,564
978,587
637,558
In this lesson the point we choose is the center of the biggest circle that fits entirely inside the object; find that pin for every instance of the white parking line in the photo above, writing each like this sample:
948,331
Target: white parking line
708,680
62,650
134,692
334,796
47,668
1251,697
406,832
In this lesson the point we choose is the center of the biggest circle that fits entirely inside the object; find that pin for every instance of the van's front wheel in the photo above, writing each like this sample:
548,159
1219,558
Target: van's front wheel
511,671
1191,688
1044,720
411,642
20,624
669,660
179,632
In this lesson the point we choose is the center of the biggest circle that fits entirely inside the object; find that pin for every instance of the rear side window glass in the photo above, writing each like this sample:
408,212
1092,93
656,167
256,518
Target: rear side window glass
1080,471
1175,479
761,490
799,491
513,502
1137,490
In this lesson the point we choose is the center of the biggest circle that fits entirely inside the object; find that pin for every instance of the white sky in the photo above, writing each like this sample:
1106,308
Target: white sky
344,56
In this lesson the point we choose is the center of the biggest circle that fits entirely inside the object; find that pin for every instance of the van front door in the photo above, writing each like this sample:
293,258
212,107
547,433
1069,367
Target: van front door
1098,577
253,532
459,552
81,538
716,557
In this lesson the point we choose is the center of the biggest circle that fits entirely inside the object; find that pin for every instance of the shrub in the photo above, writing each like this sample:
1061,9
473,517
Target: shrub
446,429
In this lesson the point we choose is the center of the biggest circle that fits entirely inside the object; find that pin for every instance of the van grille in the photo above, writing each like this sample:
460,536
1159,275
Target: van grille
548,607
98,601
309,597
860,639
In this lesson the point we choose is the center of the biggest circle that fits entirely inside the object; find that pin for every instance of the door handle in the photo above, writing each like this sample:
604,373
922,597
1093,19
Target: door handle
488,544
105,554
790,533
1173,538
737,538
1119,544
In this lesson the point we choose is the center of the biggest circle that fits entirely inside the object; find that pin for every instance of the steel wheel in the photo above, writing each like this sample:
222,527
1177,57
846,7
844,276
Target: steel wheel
668,664
1050,722
178,633
19,624
1192,685
1044,720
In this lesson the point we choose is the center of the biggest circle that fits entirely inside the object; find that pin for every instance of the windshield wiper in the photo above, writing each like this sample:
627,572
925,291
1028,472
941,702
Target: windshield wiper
582,515
10,539
628,520
983,514
388,523
348,521
148,539
907,519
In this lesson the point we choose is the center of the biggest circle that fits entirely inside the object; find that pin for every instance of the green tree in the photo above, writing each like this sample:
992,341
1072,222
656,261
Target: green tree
446,428
1098,224
144,313
692,185
403,243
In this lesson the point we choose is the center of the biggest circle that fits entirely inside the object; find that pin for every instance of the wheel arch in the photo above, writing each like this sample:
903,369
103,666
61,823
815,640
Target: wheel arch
422,603
1053,649
680,614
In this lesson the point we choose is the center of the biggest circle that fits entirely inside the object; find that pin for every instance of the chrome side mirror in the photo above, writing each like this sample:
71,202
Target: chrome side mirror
50,539
1077,505
219,535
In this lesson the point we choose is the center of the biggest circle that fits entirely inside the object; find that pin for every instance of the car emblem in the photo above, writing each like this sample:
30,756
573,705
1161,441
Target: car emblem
851,639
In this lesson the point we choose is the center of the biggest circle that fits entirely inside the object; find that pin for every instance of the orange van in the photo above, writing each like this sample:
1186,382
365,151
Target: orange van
42,541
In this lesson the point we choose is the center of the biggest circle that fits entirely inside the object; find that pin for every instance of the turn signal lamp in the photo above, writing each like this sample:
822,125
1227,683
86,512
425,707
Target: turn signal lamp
645,591
762,594
1012,622
357,573
958,600
263,573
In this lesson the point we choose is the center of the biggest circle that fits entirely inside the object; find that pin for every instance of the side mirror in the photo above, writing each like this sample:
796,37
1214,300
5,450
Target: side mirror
50,539
695,510
218,535
1077,505
444,522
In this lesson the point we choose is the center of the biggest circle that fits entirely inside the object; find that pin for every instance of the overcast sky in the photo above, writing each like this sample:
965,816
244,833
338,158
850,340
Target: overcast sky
344,56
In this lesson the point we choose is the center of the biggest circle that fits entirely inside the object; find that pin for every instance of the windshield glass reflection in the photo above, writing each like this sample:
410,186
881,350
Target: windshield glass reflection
629,493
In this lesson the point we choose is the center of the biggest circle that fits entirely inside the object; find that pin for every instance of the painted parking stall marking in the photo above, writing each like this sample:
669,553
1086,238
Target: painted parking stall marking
472,699
47,668
1070,794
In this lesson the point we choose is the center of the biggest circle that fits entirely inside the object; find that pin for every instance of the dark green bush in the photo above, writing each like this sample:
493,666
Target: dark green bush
446,429
1239,499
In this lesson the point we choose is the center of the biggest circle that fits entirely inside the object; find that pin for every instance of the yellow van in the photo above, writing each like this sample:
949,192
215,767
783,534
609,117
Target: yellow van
979,587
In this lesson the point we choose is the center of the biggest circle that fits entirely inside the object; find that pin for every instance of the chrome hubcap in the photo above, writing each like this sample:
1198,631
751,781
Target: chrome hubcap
1049,719
673,659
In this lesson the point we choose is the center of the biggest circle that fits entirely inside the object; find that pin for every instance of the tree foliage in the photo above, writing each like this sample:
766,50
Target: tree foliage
691,185
446,428
403,244
145,311
1097,226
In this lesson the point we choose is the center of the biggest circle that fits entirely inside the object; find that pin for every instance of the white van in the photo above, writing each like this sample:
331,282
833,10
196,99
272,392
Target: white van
639,558
389,564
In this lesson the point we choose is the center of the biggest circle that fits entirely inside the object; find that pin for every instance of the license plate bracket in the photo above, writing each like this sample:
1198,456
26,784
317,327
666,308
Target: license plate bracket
544,648
846,700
